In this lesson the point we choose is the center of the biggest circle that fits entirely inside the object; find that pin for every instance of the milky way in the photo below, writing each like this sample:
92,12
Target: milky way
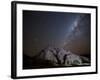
56,29
74,29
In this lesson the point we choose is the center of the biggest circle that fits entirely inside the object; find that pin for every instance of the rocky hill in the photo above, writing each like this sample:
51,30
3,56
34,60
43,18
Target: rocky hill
56,57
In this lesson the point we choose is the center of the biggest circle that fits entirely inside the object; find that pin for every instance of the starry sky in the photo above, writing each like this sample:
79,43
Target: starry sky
70,31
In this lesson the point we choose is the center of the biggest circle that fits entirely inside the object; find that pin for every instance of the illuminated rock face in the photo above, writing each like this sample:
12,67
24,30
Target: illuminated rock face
61,57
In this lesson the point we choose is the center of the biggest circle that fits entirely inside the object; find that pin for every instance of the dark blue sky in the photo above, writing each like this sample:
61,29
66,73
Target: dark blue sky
56,29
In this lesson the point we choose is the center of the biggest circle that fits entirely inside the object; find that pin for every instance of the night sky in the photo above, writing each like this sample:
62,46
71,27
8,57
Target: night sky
70,31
